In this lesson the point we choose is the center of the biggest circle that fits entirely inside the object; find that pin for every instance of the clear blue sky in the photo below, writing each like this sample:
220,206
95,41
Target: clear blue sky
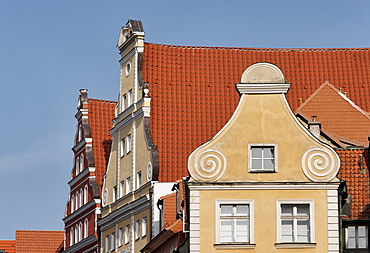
51,49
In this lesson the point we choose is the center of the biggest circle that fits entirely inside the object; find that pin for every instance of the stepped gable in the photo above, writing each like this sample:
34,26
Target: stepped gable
355,170
101,114
337,113
193,89
35,241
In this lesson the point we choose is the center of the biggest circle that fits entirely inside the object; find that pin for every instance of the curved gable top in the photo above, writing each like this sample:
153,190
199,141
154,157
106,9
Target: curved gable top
263,120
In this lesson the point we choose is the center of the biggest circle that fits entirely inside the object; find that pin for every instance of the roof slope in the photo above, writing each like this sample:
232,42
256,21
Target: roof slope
101,114
35,241
193,89
8,246
338,114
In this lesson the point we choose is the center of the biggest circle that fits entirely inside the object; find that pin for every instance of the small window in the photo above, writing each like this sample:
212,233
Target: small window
77,165
129,98
71,236
128,142
262,158
81,196
124,102
143,227
137,229
82,159
234,223
86,228
76,234
128,185
113,242
138,180
120,237
122,189
73,203
76,203
114,193
85,194
356,237
127,234
107,249
123,147
128,68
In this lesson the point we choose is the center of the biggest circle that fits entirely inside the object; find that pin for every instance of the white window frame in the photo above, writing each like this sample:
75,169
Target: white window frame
120,237
122,189
72,203
128,143
86,192
262,145
128,185
144,226
113,241
127,234
82,162
107,244
77,165
249,202
77,200
114,194
81,197
86,228
137,230
124,102
123,147
309,202
71,236
129,98
356,236
138,180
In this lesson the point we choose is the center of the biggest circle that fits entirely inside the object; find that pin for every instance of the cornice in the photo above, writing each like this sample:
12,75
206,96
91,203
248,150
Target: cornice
124,212
126,121
263,88
81,175
81,210
82,244
81,113
127,55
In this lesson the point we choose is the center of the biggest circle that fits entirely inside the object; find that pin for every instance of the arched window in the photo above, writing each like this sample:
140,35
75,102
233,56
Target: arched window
80,231
86,229
72,203
82,159
77,165
85,194
79,133
80,200
77,200
71,237
76,234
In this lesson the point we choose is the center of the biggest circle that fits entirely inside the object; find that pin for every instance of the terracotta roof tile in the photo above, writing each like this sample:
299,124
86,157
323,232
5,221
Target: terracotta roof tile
355,170
34,241
200,89
8,246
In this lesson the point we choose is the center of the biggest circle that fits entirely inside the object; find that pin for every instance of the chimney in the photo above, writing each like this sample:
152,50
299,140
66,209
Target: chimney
314,127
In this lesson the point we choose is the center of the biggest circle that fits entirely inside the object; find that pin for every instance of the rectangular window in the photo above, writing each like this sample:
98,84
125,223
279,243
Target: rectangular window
143,227
137,229
128,185
262,158
138,180
107,249
295,223
127,234
113,242
356,237
129,98
122,189
114,193
123,147
128,142
234,223
120,237
124,102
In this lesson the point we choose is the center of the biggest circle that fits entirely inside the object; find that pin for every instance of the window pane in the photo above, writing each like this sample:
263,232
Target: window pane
287,230
226,230
287,209
361,231
227,210
242,210
303,209
303,230
362,243
351,231
351,243
256,164
268,152
256,152
268,164
242,231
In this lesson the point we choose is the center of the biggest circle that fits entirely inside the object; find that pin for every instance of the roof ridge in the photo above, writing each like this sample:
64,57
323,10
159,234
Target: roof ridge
101,100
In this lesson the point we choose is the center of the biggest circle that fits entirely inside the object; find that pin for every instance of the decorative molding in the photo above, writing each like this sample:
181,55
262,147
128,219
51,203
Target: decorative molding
81,210
295,245
319,165
81,175
265,88
194,218
129,119
234,246
209,165
82,244
333,221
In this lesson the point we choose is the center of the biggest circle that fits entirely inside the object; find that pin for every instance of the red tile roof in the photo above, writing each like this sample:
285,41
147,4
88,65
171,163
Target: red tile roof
200,94
169,209
34,241
101,114
358,186
8,246
338,113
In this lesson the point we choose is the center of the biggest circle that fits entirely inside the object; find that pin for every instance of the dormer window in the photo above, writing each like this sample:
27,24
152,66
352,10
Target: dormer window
262,157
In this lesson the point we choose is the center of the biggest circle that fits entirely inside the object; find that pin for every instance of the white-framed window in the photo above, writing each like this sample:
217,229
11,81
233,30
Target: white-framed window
86,228
128,185
77,197
82,165
114,192
107,248
120,237
73,203
77,165
143,227
295,220
356,236
80,231
122,189
127,234
81,197
128,68
113,242
262,157
76,234
71,236
123,147
86,191
124,102
128,143
138,180
234,221
129,98
137,229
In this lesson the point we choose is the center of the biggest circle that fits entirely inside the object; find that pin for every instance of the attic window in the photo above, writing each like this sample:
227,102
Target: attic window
128,68
262,158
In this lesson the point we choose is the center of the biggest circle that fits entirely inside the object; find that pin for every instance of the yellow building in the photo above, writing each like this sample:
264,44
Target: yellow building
263,183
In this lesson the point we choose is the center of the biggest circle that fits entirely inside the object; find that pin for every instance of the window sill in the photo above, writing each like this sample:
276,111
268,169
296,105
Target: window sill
294,245
262,171
234,246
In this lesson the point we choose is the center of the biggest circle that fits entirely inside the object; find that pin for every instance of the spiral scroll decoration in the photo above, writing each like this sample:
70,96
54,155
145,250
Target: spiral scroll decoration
210,165
319,164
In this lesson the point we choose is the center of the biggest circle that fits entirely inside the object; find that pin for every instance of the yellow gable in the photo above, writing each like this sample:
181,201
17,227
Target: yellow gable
263,141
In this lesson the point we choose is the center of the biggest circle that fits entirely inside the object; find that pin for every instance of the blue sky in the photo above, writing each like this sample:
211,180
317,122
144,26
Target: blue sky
51,49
